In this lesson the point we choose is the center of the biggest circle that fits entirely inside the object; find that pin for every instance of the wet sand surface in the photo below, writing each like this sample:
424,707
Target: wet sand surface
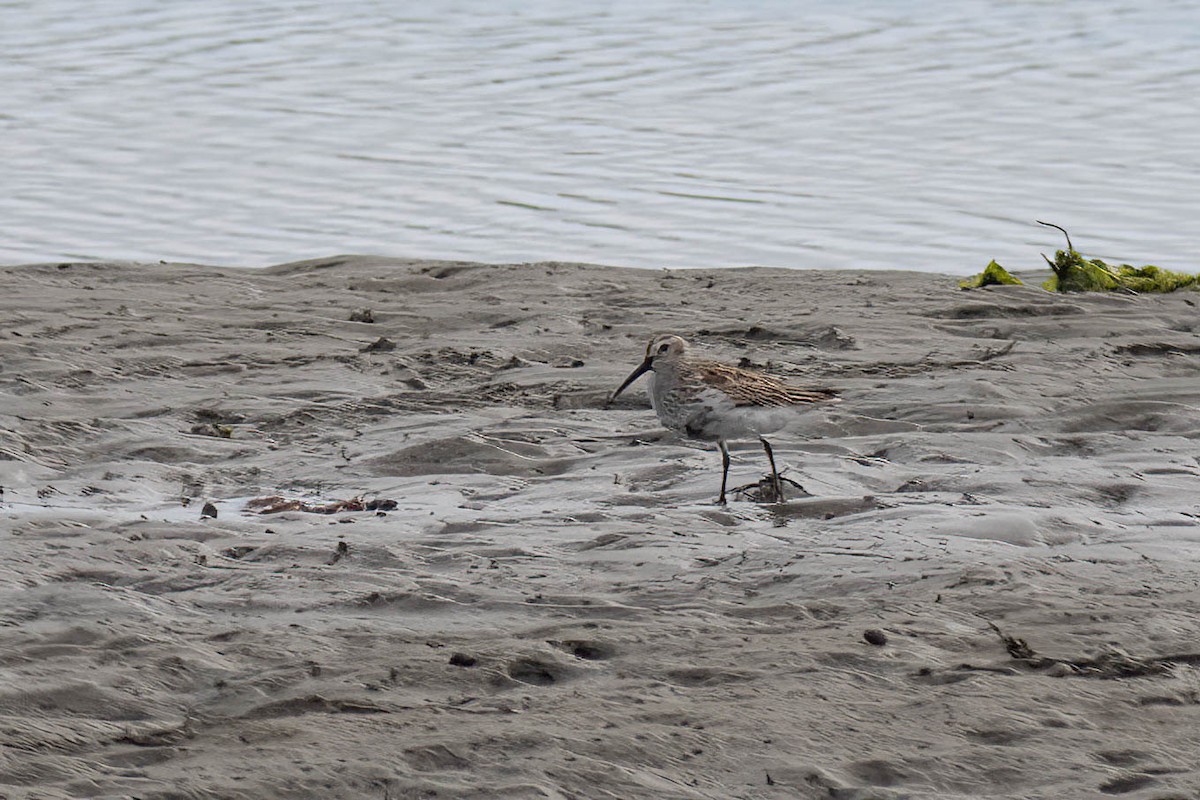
1005,499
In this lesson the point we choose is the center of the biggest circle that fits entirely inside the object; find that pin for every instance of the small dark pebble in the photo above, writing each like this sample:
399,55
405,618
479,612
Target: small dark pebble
342,550
380,345
381,505
237,552
462,660
875,636
209,510
362,315
212,429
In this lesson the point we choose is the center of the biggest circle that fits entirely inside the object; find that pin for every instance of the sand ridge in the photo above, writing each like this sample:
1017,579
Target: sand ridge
555,608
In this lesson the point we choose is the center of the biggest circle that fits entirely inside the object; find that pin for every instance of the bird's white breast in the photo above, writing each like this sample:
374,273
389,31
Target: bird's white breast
708,413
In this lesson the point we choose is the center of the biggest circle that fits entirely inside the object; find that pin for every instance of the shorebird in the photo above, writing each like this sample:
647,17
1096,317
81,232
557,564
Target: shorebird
711,401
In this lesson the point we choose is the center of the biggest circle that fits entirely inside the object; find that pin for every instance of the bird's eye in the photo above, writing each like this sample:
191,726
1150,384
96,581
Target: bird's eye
662,348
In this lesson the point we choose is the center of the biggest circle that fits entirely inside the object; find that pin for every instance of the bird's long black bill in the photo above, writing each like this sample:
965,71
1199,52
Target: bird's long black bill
633,376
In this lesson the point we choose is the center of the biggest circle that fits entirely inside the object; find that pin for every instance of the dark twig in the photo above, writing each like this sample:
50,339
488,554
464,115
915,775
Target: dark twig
1108,665
1017,648
1061,228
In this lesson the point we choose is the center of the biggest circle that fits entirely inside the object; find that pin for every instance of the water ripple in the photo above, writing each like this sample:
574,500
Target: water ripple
652,133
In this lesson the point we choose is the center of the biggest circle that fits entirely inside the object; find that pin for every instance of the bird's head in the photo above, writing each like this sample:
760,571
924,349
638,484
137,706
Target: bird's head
664,349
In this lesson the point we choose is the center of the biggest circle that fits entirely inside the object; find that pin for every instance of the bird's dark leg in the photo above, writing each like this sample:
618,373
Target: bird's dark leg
778,484
724,469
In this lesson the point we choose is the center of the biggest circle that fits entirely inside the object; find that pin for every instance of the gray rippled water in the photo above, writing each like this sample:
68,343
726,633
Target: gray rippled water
799,134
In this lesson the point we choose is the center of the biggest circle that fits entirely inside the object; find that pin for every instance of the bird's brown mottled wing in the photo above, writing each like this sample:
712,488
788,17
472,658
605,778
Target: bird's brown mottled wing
748,388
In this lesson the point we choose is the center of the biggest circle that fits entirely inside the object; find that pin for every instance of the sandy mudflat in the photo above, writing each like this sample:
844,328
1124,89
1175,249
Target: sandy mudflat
554,608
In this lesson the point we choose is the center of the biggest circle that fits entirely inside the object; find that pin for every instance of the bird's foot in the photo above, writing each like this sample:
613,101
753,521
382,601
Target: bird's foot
766,490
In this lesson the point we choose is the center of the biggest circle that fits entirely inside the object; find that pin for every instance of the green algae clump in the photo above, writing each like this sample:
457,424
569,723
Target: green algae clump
1074,273
993,275
1155,279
